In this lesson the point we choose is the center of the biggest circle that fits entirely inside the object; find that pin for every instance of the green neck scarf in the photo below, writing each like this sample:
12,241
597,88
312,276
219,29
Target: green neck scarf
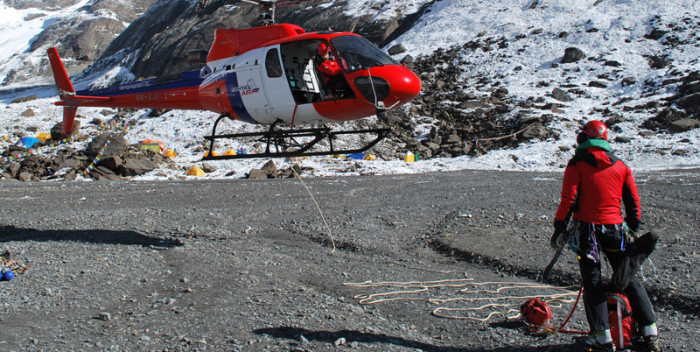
595,143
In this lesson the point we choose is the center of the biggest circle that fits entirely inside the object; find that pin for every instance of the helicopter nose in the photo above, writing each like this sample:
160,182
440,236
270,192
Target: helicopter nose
405,85
390,84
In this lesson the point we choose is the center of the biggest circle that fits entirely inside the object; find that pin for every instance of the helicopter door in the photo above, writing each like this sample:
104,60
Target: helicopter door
249,87
277,88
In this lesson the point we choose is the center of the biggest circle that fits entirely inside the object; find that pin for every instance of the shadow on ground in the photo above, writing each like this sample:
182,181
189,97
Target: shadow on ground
291,333
11,233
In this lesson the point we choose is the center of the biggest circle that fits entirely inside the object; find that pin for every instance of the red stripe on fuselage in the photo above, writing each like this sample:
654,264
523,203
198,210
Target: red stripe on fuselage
346,109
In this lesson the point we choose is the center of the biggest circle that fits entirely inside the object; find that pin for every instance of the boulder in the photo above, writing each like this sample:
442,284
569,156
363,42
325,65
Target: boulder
25,176
111,162
257,174
655,34
102,173
397,49
689,88
13,169
409,61
28,113
208,168
561,95
628,81
117,144
691,103
270,169
536,131
136,167
683,125
658,62
72,163
57,131
572,55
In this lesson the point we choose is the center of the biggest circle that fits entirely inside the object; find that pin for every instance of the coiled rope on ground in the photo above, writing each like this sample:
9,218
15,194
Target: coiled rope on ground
492,297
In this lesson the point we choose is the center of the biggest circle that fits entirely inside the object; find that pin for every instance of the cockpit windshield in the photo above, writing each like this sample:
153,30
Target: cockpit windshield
357,53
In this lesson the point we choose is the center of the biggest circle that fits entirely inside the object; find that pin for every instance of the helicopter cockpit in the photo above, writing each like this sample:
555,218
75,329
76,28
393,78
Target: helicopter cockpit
353,53
357,53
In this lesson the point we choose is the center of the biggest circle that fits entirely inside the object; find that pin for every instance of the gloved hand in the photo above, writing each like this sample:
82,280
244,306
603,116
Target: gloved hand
632,223
559,236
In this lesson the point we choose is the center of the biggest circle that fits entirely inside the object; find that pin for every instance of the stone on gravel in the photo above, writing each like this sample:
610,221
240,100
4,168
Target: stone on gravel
257,174
136,167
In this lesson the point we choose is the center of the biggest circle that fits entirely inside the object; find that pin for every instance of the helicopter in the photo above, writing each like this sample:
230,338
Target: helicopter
267,75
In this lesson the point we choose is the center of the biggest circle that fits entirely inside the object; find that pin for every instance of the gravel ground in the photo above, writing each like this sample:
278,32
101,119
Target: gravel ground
243,265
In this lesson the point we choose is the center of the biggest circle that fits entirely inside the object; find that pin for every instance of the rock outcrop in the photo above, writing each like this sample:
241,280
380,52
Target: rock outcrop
81,37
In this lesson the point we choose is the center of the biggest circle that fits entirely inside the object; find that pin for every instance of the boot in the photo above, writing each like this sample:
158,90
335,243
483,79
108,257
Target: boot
599,342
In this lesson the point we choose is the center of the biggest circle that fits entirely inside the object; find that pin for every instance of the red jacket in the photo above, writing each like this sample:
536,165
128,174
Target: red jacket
595,183
328,69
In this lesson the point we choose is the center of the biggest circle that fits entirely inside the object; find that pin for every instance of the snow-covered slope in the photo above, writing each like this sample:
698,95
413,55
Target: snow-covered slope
82,29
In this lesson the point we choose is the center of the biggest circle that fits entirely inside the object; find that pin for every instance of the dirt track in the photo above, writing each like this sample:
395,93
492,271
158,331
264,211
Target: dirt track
249,266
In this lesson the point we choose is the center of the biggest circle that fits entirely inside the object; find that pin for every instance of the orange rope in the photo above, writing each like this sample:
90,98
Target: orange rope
561,328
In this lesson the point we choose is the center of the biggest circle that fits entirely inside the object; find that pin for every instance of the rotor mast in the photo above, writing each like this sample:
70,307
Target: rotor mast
269,8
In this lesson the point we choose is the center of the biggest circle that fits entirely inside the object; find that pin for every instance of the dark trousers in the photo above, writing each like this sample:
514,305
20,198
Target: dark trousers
609,240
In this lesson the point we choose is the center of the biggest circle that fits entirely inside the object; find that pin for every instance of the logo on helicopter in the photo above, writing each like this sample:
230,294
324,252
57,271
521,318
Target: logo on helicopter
247,89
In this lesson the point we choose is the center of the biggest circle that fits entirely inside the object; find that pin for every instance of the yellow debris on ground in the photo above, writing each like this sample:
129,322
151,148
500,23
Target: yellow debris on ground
196,171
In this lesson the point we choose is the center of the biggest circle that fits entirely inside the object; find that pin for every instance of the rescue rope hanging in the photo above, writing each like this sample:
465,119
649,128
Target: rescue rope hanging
328,228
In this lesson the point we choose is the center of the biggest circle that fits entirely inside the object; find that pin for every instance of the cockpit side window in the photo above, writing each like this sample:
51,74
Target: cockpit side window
273,64
357,53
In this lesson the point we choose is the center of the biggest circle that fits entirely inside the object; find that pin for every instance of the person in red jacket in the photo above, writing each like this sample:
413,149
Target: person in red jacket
595,184
330,70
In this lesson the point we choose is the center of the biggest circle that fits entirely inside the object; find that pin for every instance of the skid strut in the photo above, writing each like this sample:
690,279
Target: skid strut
281,143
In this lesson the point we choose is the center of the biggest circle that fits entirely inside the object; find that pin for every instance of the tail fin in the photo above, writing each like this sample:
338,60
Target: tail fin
59,73
65,89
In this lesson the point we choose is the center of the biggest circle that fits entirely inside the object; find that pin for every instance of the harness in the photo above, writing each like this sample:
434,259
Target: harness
592,229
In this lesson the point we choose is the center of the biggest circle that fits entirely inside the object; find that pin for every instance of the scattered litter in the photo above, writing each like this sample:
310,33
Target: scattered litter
27,142
10,268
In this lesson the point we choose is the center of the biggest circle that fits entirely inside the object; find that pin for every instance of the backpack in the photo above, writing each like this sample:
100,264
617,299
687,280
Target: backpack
536,313
620,316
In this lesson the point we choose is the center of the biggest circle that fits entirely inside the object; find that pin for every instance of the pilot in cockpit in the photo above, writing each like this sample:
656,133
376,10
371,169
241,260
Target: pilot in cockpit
330,70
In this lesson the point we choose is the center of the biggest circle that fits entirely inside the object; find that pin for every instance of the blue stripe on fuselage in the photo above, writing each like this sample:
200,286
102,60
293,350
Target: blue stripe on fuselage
236,99
186,79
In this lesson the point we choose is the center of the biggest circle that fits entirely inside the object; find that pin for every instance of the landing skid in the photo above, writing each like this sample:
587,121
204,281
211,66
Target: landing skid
280,143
